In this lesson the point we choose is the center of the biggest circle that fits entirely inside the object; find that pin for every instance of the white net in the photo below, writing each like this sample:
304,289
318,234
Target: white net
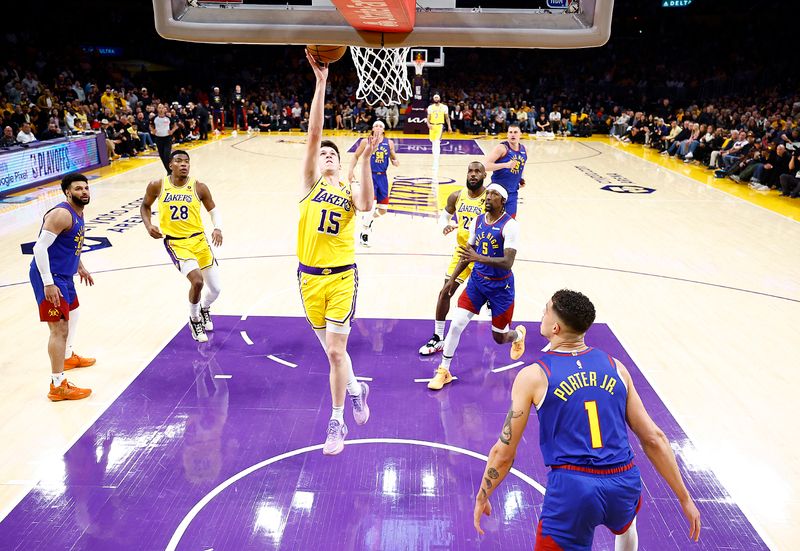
382,74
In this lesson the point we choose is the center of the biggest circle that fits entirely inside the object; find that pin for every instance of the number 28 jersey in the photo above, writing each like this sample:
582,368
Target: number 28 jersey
327,224
179,209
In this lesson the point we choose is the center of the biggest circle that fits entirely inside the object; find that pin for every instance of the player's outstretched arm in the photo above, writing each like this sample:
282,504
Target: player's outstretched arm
656,446
527,384
490,162
446,216
351,174
316,121
146,210
364,195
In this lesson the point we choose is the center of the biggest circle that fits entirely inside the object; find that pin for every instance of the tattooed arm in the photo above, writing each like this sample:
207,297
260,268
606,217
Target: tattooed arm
528,389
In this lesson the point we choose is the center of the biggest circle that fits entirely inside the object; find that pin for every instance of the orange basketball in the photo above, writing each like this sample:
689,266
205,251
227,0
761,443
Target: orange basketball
326,54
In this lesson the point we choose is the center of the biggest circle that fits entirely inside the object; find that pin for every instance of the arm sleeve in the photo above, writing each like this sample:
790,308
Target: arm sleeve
471,238
511,235
444,218
46,238
216,218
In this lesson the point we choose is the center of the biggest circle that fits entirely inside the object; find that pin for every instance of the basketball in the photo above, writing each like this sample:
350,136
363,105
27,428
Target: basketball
326,54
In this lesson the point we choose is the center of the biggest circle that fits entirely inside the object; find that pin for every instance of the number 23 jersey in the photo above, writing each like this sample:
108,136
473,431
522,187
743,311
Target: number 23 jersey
179,209
326,227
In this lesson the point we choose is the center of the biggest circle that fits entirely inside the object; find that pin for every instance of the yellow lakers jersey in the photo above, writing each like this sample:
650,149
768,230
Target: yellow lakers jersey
467,208
436,113
327,222
179,209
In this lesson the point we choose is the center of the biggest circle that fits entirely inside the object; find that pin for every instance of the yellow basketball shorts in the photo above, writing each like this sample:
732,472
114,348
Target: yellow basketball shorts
435,132
462,277
195,247
329,294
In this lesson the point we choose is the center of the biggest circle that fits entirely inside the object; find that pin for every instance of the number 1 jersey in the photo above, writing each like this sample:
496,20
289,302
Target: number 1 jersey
582,417
327,223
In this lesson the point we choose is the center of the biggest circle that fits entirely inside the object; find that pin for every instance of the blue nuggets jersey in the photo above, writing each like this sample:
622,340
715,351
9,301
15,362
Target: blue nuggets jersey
489,241
582,418
65,252
509,177
379,161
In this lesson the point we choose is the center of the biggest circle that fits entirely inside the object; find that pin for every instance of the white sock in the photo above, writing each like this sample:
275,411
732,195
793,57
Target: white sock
194,311
72,326
57,378
629,541
446,361
337,414
438,328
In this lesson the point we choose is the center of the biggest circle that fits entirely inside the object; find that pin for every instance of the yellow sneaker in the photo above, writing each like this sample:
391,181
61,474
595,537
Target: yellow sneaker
440,378
518,346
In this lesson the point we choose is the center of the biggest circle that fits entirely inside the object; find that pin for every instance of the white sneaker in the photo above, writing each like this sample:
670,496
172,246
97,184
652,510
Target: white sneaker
360,407
205,313
334,443
198,332
434,345
689,156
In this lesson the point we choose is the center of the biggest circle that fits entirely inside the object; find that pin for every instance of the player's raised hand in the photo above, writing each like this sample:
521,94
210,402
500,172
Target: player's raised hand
320,71
372,144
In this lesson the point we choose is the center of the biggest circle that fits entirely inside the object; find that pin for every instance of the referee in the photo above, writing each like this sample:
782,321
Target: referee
163,128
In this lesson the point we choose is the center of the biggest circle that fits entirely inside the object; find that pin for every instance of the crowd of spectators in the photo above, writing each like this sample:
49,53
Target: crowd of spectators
742,123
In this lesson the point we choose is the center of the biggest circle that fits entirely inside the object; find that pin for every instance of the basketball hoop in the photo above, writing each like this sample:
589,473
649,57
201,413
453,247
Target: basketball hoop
382,74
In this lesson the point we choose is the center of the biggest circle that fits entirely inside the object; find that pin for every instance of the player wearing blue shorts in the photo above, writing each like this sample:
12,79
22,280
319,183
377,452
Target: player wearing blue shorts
379,162
583,398
56,260
492,246
506,162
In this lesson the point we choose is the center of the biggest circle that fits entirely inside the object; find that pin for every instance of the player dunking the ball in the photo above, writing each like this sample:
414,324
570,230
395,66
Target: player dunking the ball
584,398
465,205
379,161
492,246
180,225
327,272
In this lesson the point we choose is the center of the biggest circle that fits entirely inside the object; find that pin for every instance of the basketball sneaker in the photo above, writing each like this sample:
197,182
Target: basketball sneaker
440,378
67,391
77,361
198,332
518,346
334,443
363,238
205,313
360,407
434,345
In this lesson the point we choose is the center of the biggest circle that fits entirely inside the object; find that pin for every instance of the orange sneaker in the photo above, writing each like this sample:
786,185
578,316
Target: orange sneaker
77,361
67,391
518,346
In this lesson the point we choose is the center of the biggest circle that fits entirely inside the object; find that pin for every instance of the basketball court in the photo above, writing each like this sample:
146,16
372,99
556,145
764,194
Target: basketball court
218,445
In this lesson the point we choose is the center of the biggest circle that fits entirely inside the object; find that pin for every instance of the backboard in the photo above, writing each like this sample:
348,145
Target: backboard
446,23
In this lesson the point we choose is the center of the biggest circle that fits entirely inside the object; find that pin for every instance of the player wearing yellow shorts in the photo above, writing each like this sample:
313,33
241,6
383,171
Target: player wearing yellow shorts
437,116
181,227
327,273
466,205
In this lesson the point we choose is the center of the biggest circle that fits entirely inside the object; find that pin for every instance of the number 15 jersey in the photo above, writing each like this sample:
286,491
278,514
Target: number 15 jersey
327,224
179,209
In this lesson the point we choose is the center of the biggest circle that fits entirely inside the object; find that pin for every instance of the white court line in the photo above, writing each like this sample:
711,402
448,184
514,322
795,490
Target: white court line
223,376
244,317
429,380
507,367
280,361
368,379
184,524
245,337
